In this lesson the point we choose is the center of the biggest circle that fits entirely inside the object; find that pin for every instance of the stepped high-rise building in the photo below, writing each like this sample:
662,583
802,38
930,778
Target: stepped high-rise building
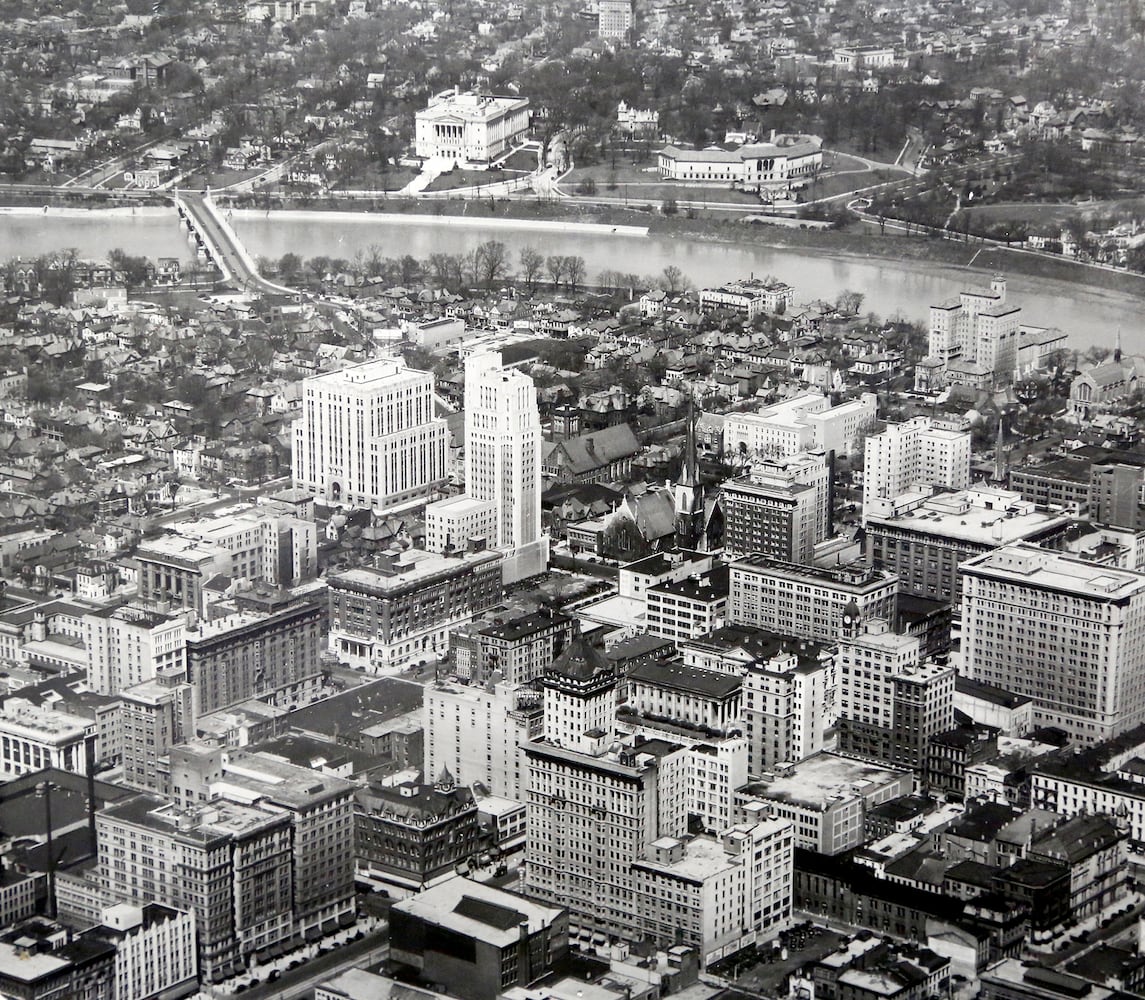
368,436
502,498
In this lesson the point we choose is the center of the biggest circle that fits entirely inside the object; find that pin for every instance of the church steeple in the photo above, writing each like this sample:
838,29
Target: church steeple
689,490
1117,346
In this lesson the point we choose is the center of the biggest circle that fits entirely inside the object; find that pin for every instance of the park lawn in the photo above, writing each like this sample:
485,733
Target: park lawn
604,173
521,159
372,179
458,178
654,193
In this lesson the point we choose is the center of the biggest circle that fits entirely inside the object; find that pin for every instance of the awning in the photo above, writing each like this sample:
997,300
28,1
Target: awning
313,934
347,920
329,924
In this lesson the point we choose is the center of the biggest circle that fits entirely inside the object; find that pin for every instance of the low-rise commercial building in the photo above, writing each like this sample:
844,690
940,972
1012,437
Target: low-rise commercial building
825,796
476,941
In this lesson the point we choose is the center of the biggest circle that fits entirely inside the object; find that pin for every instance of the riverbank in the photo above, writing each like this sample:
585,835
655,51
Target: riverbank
476,222
71,212
855,241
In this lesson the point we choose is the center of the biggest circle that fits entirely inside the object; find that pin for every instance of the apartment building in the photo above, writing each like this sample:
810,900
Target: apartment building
782,509
128,644
919,451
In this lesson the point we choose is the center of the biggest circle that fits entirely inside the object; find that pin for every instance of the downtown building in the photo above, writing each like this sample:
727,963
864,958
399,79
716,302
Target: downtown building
805,601
1068,634
807,422
917,451
401,610
782,509
368,436
502,498
608,823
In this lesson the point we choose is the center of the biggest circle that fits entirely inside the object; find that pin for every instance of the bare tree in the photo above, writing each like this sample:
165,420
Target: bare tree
672,279
555,265
574,272
491,263
532,263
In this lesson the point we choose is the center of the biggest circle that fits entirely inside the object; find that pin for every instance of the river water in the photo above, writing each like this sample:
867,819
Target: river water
890,287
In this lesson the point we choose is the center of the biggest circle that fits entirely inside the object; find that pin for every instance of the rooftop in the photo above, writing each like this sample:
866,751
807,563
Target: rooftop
1030,566
358,708
480,911
814,782
411,568
693,680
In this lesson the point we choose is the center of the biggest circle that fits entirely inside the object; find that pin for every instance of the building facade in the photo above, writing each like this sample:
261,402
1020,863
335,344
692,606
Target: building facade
368,436
502,470
806,601
921,450
1065,633
807,422
401,610
781,509
470,127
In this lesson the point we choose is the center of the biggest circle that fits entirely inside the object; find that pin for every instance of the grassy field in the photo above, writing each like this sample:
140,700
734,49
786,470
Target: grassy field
604,174
372,179
471,178
218,178
522,159
1060,212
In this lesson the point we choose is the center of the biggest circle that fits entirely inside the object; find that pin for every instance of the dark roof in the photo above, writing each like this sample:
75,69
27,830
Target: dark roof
695,680
358,708
525,625
904,807
710,586
1028,872
989,692
1076,839
1104,962
596,449
581,661
972,873
983,822
490,914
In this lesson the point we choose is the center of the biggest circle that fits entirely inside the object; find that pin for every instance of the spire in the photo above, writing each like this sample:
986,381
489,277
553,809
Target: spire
1117,346
999,453
689,499
689,474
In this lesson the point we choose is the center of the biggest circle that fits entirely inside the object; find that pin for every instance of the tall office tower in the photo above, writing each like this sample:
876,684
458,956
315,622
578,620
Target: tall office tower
502,498
920,450
368,436
1068,634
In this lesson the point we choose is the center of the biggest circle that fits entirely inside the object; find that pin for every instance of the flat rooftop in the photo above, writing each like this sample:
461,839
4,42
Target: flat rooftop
703,858
413,567
1029,566
954,516
812,782
281,781
358,708
480,911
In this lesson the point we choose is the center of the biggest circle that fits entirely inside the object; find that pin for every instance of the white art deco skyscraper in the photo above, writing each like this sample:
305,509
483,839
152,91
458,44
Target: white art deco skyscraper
502,499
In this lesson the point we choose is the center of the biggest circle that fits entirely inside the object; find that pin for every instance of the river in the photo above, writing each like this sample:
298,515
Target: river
891,287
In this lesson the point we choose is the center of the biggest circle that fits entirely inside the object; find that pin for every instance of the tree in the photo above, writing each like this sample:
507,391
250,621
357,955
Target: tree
447,270
135,270
491,263
672,279
532,263
574,271
289,267
1097,354
849,302
555,265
